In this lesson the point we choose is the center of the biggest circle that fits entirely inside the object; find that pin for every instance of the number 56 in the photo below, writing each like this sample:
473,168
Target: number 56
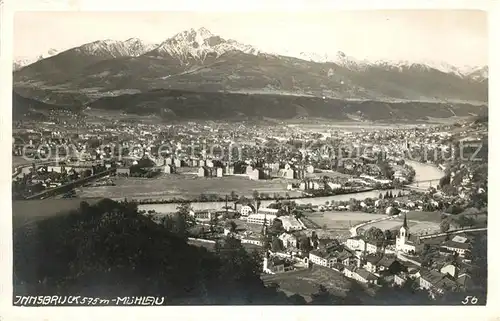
469,299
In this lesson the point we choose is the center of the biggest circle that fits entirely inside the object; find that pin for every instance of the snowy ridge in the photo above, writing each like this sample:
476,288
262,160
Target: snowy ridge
341,59
132,47
21,62
198,44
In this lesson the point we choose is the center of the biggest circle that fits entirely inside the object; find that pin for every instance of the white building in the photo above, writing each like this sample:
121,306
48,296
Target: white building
289,240
259,218
246,210
290,223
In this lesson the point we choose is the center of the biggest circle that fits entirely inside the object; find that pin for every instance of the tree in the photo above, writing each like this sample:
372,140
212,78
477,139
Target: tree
444,226
314,236
323,297
214,221
234,196
276,227
380,196
276,245
305,245
394,211
231,226
374,234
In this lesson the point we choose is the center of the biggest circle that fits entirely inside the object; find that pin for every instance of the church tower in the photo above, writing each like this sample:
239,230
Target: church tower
402,236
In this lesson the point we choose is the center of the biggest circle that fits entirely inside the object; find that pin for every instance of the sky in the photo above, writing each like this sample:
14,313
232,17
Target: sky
452,36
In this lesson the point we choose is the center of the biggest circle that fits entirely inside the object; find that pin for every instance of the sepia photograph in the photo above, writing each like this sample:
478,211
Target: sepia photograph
180,158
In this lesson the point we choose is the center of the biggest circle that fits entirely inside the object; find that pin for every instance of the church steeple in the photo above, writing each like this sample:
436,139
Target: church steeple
405,223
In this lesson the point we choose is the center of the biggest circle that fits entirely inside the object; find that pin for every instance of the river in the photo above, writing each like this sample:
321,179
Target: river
422,172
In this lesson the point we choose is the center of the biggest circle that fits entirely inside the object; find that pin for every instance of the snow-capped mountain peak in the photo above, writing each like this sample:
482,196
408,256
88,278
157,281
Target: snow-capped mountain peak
132,47
198,44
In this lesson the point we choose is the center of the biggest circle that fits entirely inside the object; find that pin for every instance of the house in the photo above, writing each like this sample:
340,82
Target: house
254,174
450,269
400,279
461,247
160,161
386,264
123,171
177,163
436,282
202,215
206,171
290,223
374,247
371,262
299,173
288,240
364,276
309,185
252,240
246,210
286,173
229,170
203,171
356,243
322,257
273,265
260,218
168,169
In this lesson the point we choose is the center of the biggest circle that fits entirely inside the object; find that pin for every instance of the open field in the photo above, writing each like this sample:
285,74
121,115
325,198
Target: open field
306,282
332,224
25,212
416,227
341,220
182,186
423,216
242,225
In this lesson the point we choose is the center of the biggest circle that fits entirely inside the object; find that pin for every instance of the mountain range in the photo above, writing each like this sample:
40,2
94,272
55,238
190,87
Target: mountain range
199,61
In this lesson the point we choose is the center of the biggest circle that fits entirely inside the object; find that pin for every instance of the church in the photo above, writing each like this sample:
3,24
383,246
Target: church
403,242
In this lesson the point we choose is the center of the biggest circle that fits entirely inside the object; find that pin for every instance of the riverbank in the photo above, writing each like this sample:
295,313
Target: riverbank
314,201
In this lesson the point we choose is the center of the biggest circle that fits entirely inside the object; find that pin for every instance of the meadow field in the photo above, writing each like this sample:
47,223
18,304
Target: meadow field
183,186
418,222
341,220
332,224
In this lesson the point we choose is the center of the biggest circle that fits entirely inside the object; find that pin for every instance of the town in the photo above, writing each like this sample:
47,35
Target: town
382,206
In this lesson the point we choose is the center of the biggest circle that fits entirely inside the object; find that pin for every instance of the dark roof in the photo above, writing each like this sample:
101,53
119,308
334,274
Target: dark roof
387,261
457,245
373,258
366,275
437,279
